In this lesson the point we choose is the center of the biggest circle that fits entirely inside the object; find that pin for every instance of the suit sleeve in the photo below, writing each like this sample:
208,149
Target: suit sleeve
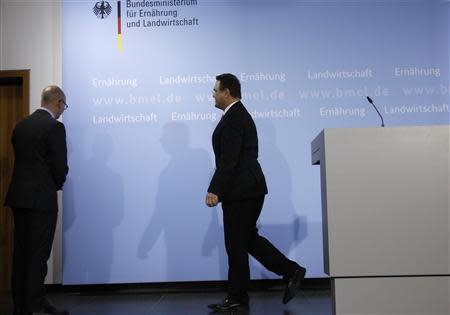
58,154
231,146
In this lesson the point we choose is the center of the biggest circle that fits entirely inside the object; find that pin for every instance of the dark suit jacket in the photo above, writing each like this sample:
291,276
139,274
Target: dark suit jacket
40,163
238,175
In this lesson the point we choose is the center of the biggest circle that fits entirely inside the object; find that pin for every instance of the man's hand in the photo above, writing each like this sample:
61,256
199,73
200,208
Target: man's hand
211,200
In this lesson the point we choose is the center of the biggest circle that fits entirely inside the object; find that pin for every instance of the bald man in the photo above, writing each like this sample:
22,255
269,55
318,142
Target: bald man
40,169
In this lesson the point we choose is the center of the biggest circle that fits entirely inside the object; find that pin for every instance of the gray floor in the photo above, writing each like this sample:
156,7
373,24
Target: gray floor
317,302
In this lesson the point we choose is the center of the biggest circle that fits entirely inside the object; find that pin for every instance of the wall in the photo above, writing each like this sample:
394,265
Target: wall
30,38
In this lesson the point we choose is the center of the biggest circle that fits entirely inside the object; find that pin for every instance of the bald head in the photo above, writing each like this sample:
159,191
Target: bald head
51,94
54,99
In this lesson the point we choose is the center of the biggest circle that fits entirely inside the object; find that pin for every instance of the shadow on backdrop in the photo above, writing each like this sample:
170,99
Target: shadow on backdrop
94,213
181,191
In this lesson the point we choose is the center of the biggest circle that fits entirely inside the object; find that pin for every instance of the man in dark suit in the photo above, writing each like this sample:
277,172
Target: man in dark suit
239,183
40,169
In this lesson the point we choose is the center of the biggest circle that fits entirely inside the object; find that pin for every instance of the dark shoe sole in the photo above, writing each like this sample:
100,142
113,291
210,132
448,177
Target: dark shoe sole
293,289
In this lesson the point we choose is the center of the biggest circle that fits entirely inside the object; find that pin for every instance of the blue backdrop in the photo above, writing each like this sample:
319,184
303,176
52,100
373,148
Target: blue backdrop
141,117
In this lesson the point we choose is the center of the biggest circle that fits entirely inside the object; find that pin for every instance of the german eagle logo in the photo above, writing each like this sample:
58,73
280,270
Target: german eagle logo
102,9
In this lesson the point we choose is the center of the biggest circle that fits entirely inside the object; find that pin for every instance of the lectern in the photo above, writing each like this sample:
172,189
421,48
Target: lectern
385,204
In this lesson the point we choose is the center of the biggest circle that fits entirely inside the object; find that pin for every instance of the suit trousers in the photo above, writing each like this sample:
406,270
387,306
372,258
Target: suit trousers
241,239
34,231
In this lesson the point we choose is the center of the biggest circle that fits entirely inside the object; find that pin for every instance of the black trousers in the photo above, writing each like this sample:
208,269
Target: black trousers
241,239
34,231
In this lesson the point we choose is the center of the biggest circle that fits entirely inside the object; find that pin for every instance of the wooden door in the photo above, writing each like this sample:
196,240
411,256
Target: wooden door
14,105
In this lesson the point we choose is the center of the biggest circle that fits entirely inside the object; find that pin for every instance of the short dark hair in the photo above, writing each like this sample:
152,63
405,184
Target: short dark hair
231,82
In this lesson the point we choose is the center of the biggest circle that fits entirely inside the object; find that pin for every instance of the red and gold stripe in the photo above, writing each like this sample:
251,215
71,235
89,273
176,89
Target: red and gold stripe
119,27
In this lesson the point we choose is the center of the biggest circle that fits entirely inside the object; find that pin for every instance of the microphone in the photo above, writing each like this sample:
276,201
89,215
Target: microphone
371,102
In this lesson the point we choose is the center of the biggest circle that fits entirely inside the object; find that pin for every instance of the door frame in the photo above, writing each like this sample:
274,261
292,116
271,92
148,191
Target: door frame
19,77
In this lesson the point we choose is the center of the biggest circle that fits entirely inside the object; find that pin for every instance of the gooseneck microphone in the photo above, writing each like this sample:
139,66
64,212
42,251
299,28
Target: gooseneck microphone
371,102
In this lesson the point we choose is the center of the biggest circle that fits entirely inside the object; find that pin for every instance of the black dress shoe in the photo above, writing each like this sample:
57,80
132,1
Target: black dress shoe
293,284
229,305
